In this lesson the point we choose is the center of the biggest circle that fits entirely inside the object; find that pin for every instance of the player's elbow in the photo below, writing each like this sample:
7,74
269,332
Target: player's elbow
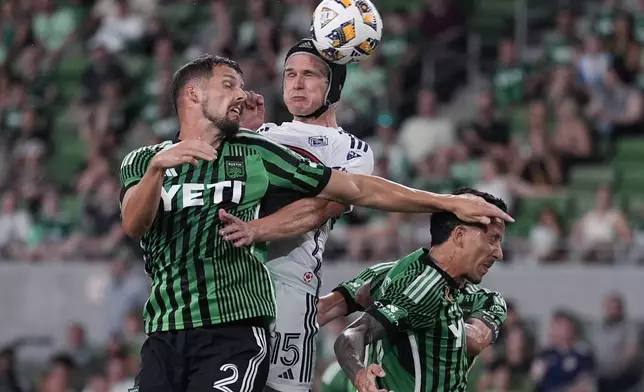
132,227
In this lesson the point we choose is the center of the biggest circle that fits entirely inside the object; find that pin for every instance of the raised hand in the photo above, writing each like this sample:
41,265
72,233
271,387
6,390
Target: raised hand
475,209
253,111
183,152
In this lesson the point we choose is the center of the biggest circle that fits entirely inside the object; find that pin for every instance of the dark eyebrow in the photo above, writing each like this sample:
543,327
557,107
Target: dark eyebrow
233,78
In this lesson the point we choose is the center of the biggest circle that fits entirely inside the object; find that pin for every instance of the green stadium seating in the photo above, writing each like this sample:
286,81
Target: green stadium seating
590,177
530,208
630,150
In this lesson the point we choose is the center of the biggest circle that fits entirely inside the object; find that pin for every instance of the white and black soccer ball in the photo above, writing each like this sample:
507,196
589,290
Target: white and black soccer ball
346,31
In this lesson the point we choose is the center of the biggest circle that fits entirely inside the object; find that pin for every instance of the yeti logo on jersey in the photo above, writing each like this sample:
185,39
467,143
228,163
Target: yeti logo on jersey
318,141
392,312
235,168
192,195
135,389
352,155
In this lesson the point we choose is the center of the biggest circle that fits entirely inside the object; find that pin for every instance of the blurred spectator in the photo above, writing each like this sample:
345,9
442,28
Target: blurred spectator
57,378
77,346
214,35
510,78
571,138
117,31
125,291
426,132
566,362
617,108
441,20
53,26
494,183
385,145
600,231
488,134
617,347
117,376
364,86
562,43
15,225
97,384
103,68
604,22
511,373
9,379
623,40
562,86
546,237
593,64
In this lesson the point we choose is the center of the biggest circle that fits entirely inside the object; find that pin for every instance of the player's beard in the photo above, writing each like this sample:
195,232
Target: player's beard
228,128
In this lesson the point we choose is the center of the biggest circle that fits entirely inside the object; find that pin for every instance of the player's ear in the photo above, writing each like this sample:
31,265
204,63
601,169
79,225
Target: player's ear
458,236
193,93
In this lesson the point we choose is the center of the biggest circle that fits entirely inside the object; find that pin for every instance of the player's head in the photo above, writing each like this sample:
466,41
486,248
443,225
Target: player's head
564,329
312,85
210,87
475,246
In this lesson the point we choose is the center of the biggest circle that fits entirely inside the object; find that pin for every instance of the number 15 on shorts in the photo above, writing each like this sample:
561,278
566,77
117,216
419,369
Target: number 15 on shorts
285,349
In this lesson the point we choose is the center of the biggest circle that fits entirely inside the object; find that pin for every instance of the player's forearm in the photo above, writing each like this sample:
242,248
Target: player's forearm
331,307
478,336
350,350
141,203
350,346
382,194
295,219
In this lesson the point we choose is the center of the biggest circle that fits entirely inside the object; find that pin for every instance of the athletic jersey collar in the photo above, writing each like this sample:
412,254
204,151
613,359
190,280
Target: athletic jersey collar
301,125
429,260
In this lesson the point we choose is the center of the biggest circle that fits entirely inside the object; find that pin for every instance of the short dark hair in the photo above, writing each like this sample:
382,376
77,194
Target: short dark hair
443,223
199,67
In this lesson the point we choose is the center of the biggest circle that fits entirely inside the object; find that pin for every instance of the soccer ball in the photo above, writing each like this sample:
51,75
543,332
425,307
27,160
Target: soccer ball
346,31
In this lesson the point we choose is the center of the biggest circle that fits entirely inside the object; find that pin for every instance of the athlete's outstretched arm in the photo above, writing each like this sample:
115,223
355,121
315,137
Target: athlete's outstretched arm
334,305
290,221
478,336
350,350
385,195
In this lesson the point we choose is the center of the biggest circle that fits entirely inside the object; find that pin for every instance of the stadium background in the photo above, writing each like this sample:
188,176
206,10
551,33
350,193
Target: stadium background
536,101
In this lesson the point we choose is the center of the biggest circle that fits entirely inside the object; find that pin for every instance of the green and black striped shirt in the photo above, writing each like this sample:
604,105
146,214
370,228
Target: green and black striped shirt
197,278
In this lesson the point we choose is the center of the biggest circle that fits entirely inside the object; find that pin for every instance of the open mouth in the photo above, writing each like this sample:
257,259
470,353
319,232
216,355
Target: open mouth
236,110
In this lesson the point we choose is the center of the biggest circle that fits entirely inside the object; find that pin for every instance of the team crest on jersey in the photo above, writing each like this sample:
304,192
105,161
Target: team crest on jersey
308,277
318,141
235,167
352,155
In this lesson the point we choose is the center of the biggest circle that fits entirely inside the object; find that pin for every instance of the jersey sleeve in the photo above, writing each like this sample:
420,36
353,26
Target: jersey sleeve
351,155
288,170
134,166
492,311
409,301
371,276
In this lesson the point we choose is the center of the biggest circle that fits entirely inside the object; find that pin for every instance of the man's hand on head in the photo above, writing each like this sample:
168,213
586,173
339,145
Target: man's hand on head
253,112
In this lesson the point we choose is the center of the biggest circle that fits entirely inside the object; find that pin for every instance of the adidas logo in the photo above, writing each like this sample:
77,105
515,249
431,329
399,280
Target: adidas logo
306,45
171,173
287,375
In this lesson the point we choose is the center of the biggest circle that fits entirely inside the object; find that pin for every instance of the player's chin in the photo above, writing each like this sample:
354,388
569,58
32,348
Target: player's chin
300,108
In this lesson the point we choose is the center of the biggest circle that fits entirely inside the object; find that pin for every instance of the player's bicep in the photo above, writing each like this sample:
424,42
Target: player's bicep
289,171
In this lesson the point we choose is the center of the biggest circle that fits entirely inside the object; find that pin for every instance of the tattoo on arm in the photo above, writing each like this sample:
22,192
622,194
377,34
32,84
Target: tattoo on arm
350,346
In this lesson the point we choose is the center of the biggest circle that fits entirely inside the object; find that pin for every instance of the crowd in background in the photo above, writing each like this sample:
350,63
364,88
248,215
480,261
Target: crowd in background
555,130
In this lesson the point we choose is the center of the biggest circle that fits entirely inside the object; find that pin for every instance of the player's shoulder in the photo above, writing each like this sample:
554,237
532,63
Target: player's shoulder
471,288
248,137
144,152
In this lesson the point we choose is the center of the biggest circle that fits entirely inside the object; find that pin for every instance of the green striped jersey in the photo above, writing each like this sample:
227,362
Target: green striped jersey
417,303
197,278
475,301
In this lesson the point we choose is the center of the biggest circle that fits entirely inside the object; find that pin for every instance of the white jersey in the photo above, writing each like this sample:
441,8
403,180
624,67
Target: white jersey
298,261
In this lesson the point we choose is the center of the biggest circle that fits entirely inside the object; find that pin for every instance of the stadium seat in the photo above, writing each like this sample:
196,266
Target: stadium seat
630,150
530,208
590,177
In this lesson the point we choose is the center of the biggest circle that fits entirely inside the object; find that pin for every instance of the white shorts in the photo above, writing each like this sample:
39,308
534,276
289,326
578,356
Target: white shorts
293,340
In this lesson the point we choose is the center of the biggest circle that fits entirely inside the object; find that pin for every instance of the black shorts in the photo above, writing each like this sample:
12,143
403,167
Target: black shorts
227,357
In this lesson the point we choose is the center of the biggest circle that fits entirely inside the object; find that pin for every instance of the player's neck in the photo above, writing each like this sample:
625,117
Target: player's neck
200,130
327,119
445,259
